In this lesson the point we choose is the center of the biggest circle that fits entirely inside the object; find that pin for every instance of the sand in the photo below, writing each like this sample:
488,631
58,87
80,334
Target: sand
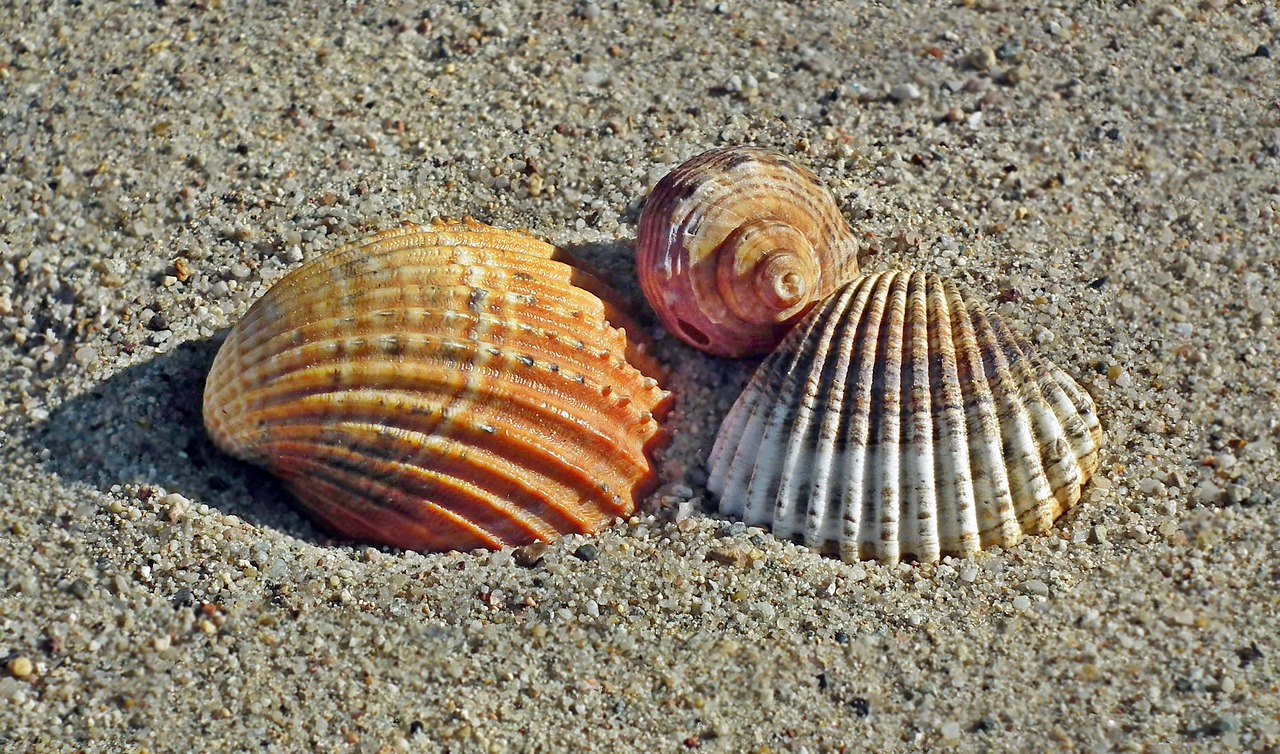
1107,172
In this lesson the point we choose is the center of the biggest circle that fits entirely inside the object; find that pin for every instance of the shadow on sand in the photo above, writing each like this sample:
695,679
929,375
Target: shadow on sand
613,261
144,426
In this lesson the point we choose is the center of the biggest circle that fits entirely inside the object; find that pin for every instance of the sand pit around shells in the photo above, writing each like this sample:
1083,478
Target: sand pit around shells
1106,175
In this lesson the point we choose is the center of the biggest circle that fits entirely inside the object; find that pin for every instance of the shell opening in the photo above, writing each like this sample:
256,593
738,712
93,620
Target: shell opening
698,337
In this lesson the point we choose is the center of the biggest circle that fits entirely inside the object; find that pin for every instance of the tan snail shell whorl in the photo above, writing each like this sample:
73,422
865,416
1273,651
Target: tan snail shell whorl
736,245
443,388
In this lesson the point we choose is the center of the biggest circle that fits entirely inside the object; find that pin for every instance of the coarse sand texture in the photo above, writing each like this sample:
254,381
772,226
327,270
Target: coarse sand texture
1104,175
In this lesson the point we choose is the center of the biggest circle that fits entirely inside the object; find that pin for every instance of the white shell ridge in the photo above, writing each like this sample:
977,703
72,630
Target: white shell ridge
900,419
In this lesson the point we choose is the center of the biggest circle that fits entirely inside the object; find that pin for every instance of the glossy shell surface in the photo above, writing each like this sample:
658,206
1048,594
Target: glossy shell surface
902,420
736,244
447,387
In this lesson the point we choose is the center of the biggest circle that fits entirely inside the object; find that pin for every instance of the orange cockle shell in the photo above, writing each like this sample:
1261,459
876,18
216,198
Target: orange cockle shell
448,387
736,245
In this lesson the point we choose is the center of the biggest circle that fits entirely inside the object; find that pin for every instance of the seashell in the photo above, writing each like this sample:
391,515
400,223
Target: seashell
901,419
736,245
449,387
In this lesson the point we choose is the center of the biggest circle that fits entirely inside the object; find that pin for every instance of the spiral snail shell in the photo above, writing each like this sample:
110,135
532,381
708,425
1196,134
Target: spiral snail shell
738,243
447,387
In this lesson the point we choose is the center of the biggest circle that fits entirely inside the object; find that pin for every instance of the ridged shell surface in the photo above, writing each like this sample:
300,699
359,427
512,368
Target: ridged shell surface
443,388
901,420
736,244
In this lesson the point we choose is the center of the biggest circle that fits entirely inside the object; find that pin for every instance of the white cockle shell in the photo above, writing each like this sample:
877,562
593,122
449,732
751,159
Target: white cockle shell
900,419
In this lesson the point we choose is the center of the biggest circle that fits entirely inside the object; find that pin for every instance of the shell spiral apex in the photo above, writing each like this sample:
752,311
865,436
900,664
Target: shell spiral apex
736,244
900,419
443,388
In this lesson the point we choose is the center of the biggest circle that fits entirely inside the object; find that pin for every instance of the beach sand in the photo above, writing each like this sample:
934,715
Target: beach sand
1109,173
